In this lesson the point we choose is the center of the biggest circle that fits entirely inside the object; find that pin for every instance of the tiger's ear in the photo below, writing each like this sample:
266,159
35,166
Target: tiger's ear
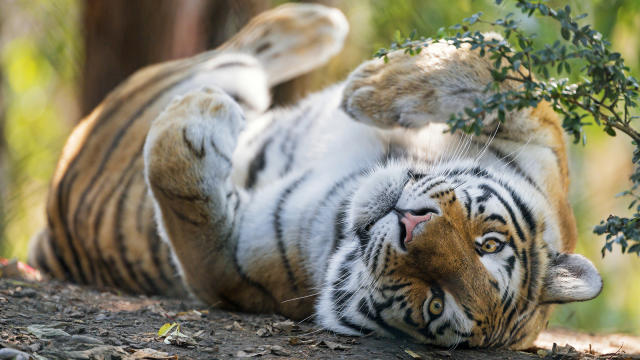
570,277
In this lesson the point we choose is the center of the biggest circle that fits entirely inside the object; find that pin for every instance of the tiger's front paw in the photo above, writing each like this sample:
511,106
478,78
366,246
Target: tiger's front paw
412,91
189,146
386,95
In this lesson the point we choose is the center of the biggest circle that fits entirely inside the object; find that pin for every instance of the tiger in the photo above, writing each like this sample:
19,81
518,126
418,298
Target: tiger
353,207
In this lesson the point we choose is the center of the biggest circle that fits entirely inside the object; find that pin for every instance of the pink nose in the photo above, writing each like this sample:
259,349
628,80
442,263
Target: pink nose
410,222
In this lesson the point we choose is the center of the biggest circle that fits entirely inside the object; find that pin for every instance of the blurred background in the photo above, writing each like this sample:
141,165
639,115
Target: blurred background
59,58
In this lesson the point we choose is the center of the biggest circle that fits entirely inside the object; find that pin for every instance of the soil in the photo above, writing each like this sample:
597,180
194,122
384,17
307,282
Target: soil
54,320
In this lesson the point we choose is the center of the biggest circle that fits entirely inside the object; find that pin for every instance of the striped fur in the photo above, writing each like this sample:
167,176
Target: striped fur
352,207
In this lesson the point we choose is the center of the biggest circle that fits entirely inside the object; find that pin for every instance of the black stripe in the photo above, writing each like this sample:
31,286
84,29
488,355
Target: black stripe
486,195
172,195
149,283
339,225
506,300
141,207
231,305
361,329
290,142
340,217
55,250
345,267
520,326
154,244
494,284
375,317
432,185
395,287
496,217
186,218
515,222
340,296
263,47
257,164
76,272
533,269
442,327
511,261
101,267
467,203
199,152
376,255
116,274
524,210
120,240
407,318
278,226
220,154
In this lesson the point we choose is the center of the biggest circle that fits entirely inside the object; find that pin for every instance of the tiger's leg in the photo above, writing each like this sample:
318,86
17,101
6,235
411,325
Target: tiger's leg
187,167
413,91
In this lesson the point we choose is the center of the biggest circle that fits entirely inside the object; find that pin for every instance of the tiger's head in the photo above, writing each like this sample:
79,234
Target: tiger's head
457,255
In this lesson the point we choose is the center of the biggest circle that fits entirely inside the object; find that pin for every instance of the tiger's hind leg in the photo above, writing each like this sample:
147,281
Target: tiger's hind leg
187,167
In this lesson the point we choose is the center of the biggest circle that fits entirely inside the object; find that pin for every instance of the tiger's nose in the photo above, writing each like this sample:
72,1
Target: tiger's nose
410,220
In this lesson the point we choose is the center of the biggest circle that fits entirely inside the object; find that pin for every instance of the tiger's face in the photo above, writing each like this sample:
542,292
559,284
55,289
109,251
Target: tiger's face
454,256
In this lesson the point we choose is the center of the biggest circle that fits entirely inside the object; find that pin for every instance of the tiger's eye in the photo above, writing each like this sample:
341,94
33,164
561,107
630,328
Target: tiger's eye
490,246
436,306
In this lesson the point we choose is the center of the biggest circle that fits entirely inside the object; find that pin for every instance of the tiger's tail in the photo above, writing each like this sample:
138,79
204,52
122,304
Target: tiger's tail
41,254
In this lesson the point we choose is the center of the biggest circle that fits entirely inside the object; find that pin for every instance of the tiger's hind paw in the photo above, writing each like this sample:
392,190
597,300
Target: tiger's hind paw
190,145
292,39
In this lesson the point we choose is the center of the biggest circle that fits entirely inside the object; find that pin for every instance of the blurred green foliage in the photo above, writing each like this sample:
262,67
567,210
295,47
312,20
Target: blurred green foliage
40,62
38,59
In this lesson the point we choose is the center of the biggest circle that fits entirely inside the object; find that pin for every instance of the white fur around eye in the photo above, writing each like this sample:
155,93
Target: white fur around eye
497,264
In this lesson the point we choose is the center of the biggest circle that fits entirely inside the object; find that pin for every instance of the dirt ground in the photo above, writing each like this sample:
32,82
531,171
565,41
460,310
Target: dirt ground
53,320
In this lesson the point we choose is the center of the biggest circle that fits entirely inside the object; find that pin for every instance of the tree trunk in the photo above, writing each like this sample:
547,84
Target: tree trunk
123,36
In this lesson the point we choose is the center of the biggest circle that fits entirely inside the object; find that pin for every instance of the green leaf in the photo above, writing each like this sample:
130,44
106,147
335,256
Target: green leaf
166,328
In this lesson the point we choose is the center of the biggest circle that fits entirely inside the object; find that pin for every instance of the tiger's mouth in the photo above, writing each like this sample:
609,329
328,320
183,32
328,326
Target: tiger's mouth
409,220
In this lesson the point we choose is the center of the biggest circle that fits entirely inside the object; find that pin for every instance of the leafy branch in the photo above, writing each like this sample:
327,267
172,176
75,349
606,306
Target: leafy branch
605,93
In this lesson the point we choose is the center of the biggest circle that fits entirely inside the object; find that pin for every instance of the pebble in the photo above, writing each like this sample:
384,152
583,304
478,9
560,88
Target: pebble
44,332
76,315
49,307
35,347
8,353
84,339
25,293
